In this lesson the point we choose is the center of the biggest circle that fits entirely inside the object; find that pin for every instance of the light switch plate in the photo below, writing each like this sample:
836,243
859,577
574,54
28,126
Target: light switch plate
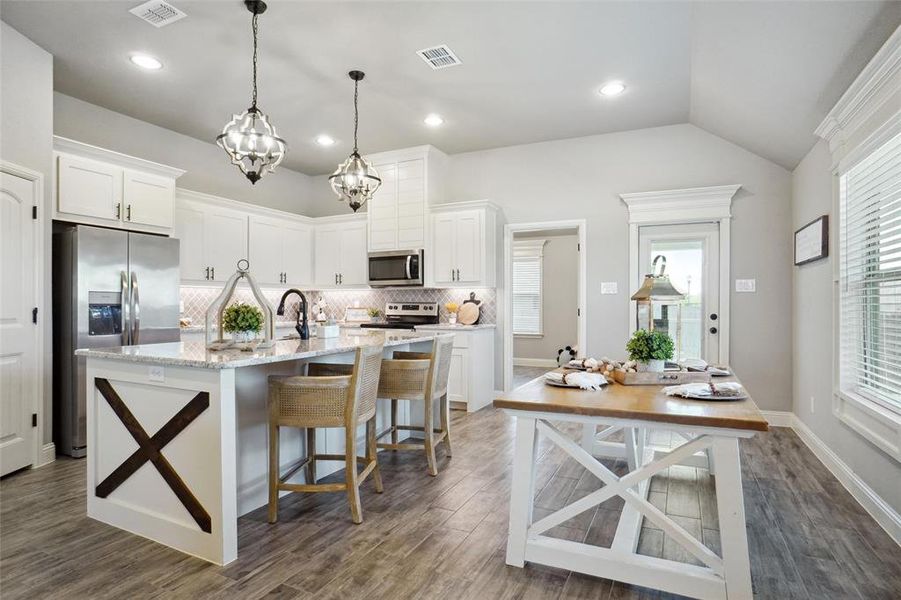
609,287
156,373
746,285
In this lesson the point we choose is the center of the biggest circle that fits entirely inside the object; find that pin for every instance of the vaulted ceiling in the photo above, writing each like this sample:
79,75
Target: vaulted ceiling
760,74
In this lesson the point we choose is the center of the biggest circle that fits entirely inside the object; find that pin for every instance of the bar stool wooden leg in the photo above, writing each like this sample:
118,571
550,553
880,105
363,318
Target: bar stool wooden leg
350,474
393,421
428,435
445,423
372,455
311,454
273,472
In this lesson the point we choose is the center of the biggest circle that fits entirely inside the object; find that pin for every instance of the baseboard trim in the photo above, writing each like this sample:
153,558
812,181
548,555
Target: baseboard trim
879,509
778,418
48,455
534,362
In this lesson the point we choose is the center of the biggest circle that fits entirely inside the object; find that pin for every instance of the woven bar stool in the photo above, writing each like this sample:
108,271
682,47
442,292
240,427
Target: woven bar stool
328,396
419,376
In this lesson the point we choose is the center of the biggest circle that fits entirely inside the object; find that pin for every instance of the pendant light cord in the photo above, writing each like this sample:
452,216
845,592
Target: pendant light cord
254,27
356,113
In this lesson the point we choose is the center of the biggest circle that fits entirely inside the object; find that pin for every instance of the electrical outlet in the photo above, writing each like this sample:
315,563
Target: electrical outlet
746,285
609,287
813,405
156,373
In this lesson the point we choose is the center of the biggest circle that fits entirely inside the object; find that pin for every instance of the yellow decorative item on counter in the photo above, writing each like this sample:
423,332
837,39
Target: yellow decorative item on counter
452,308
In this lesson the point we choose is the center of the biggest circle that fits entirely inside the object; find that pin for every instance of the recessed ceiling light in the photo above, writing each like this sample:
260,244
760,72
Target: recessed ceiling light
613,88
433,120
325,140
145,61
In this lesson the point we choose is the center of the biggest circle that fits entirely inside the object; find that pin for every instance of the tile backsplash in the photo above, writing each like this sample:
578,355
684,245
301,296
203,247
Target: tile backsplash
196,300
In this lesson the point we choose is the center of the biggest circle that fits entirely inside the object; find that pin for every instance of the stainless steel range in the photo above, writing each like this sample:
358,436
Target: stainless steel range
407,315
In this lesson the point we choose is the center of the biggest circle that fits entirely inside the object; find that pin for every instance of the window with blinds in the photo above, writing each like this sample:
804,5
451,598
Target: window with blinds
870,277
526,287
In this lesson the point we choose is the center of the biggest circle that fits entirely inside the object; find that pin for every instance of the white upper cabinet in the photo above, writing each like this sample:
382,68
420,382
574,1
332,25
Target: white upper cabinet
188,229
397,216
341,258
212,239
281,251
102,187
464,245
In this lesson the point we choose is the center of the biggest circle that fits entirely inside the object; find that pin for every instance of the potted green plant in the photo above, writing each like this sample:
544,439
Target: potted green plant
374,315
243,321
650,349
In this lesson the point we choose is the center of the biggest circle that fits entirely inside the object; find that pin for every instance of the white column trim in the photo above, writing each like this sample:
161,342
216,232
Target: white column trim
689,205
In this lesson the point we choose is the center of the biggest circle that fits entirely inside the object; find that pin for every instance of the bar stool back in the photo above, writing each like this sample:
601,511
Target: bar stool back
328,396
419,376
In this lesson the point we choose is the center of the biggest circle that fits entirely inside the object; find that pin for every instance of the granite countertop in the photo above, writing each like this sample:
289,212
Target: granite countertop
201,329
195,354
454,327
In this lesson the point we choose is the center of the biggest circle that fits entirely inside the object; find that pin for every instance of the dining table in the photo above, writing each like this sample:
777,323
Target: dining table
708,433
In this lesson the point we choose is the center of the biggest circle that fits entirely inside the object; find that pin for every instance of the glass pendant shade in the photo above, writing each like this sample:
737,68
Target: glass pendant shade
250,139
252,143
355,180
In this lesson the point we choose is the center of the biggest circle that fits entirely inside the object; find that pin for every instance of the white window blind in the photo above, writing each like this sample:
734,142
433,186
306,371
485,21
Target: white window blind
870,277
526,286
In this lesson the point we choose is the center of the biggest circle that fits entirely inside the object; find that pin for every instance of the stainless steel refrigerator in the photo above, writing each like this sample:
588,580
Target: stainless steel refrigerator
110,288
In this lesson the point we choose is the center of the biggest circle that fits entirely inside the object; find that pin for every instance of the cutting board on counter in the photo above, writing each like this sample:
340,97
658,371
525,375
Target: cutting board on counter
468,314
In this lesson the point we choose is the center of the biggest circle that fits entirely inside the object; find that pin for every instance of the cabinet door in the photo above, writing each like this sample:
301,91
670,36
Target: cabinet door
443,235
225,242
265,250
189,230
411,204
298,255
328,256
354,260
458,377
148,199
468,244
382,213
89,188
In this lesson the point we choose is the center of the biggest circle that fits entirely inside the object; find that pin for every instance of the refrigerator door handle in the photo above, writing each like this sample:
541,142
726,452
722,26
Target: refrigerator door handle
135,309
125,311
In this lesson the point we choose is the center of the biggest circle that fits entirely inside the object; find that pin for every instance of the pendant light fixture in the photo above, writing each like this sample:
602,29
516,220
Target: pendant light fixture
356,180
249,138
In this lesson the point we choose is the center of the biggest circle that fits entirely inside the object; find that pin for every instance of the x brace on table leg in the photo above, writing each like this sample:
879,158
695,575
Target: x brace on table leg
621,486
150,449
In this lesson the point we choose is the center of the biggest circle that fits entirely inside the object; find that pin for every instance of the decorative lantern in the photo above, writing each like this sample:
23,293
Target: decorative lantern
216,310
659,304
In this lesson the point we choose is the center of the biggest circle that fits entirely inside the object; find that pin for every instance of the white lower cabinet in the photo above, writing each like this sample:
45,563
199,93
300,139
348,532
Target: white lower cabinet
470,384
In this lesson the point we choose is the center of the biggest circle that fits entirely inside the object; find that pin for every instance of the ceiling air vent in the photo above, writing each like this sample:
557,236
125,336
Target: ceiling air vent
439,57
157,13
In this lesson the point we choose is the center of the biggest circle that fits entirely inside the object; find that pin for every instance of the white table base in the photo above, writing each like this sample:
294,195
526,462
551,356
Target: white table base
727,576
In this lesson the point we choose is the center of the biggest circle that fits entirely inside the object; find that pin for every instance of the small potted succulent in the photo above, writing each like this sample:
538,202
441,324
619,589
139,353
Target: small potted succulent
374,315
650,349
243,321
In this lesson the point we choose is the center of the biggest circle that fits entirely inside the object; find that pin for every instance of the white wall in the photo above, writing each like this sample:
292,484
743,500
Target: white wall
207,165
559,299
812,333
26,139
581,178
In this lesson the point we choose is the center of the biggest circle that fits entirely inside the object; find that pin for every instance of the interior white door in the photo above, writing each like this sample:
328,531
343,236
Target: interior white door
225,242
89,188
298,254
188,228
468,246
266,250
692,263
354,259
443,237
18,362
328,256
148,199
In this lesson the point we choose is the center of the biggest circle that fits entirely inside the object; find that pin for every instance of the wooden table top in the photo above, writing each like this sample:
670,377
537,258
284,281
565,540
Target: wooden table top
640,402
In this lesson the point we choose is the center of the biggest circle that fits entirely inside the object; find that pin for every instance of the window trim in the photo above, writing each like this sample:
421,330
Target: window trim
856,126
530,248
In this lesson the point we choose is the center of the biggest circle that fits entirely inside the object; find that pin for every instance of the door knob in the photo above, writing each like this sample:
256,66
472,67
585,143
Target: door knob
713,330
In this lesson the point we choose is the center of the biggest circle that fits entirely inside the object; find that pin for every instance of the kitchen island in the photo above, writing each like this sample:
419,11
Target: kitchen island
177,446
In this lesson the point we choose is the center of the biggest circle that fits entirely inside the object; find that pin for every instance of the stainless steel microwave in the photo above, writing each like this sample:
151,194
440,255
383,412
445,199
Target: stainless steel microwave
396,268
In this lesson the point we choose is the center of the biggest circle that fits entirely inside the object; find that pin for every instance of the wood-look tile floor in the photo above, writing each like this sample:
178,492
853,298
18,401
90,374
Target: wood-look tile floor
444,537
